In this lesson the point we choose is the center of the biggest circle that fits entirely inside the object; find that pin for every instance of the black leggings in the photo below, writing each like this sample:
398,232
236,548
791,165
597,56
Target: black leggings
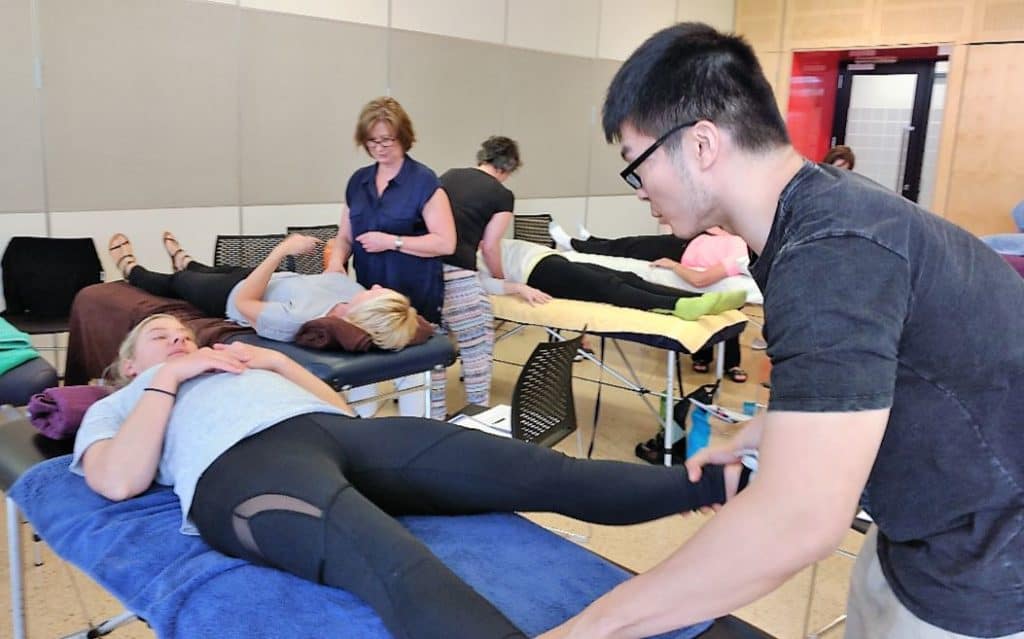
640,247
559,277
732,354
315,496
205,287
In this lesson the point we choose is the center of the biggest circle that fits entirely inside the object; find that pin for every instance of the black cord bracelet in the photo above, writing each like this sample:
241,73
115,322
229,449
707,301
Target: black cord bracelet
160,390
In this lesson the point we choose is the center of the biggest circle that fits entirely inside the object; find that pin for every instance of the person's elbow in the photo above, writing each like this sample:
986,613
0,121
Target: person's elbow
814,531
113,487
810,527
447,243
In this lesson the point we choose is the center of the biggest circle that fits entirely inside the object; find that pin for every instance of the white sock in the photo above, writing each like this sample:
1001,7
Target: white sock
584,233
562,239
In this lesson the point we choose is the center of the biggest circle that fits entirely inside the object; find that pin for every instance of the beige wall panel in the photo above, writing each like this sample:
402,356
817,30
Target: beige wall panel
13,224
618,216
276,219
471,19
760,22
196,228
453,90
770,65
302,90
548,112
721,14
605,161
565,26
998,20
986,180
915,21
820,23
141,104
21,162
625,25
373,12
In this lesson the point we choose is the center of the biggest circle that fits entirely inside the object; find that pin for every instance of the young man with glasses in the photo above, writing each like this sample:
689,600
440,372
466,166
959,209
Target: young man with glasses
880,326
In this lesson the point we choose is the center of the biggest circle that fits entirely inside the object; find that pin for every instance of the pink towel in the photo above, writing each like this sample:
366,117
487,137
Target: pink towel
57,412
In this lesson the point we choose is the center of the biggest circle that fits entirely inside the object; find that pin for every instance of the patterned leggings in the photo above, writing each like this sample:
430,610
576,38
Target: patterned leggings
467,314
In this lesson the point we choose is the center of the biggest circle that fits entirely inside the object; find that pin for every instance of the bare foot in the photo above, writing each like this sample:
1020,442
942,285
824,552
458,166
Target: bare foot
179,258
120,249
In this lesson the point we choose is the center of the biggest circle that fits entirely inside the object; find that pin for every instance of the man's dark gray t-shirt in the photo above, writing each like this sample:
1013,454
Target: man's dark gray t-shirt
871,302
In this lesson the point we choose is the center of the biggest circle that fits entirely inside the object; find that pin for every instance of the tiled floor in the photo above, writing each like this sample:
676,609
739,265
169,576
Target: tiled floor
56,608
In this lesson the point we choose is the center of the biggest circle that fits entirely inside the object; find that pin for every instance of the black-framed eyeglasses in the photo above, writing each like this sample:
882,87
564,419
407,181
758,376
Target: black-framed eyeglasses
381,142
629,173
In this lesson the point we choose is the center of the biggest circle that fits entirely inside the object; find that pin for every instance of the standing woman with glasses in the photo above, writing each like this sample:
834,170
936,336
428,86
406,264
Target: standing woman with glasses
397,222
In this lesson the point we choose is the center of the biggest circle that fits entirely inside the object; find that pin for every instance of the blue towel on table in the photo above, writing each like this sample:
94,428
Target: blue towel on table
186,590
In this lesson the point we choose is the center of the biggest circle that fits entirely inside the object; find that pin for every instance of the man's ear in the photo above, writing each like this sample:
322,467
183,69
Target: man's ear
709,142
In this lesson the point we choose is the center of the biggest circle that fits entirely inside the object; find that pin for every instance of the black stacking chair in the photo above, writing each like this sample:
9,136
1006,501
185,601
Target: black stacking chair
543,409
248,250
533,228
41,276
313,263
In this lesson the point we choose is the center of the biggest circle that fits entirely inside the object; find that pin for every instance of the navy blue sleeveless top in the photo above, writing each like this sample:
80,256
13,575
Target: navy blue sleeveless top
398,211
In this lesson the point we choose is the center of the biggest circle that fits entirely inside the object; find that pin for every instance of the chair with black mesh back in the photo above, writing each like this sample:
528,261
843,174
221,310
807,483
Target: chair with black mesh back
543,410
314,262
41,276
248,250
533,228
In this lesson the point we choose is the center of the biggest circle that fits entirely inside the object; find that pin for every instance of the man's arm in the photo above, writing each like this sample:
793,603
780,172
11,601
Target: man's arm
813,467
250,292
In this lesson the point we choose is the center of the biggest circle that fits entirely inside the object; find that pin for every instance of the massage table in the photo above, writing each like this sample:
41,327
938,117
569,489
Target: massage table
185,590
666,332
102,315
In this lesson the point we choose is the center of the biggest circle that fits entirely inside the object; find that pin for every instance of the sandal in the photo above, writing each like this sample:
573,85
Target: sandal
737,374
179,258
652,451
701,367
122,261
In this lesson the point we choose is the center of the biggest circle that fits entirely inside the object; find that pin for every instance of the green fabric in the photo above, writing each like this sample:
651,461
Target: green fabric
11,358
12,338
15,347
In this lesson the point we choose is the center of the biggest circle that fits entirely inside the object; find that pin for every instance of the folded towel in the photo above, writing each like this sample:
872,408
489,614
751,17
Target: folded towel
332,333
57,412
11,338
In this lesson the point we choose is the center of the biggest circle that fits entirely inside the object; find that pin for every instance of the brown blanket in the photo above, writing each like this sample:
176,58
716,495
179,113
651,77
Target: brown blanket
102,314
332,333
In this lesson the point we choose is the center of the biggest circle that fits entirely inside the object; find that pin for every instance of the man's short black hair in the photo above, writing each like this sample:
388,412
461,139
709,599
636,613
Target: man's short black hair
500,152
692,72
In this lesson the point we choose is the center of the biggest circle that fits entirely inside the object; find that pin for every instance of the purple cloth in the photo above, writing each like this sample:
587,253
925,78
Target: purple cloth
57,412
1016,261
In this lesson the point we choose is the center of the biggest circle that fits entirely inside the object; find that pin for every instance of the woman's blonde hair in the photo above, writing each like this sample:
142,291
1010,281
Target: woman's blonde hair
115,372
386,110
389,318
